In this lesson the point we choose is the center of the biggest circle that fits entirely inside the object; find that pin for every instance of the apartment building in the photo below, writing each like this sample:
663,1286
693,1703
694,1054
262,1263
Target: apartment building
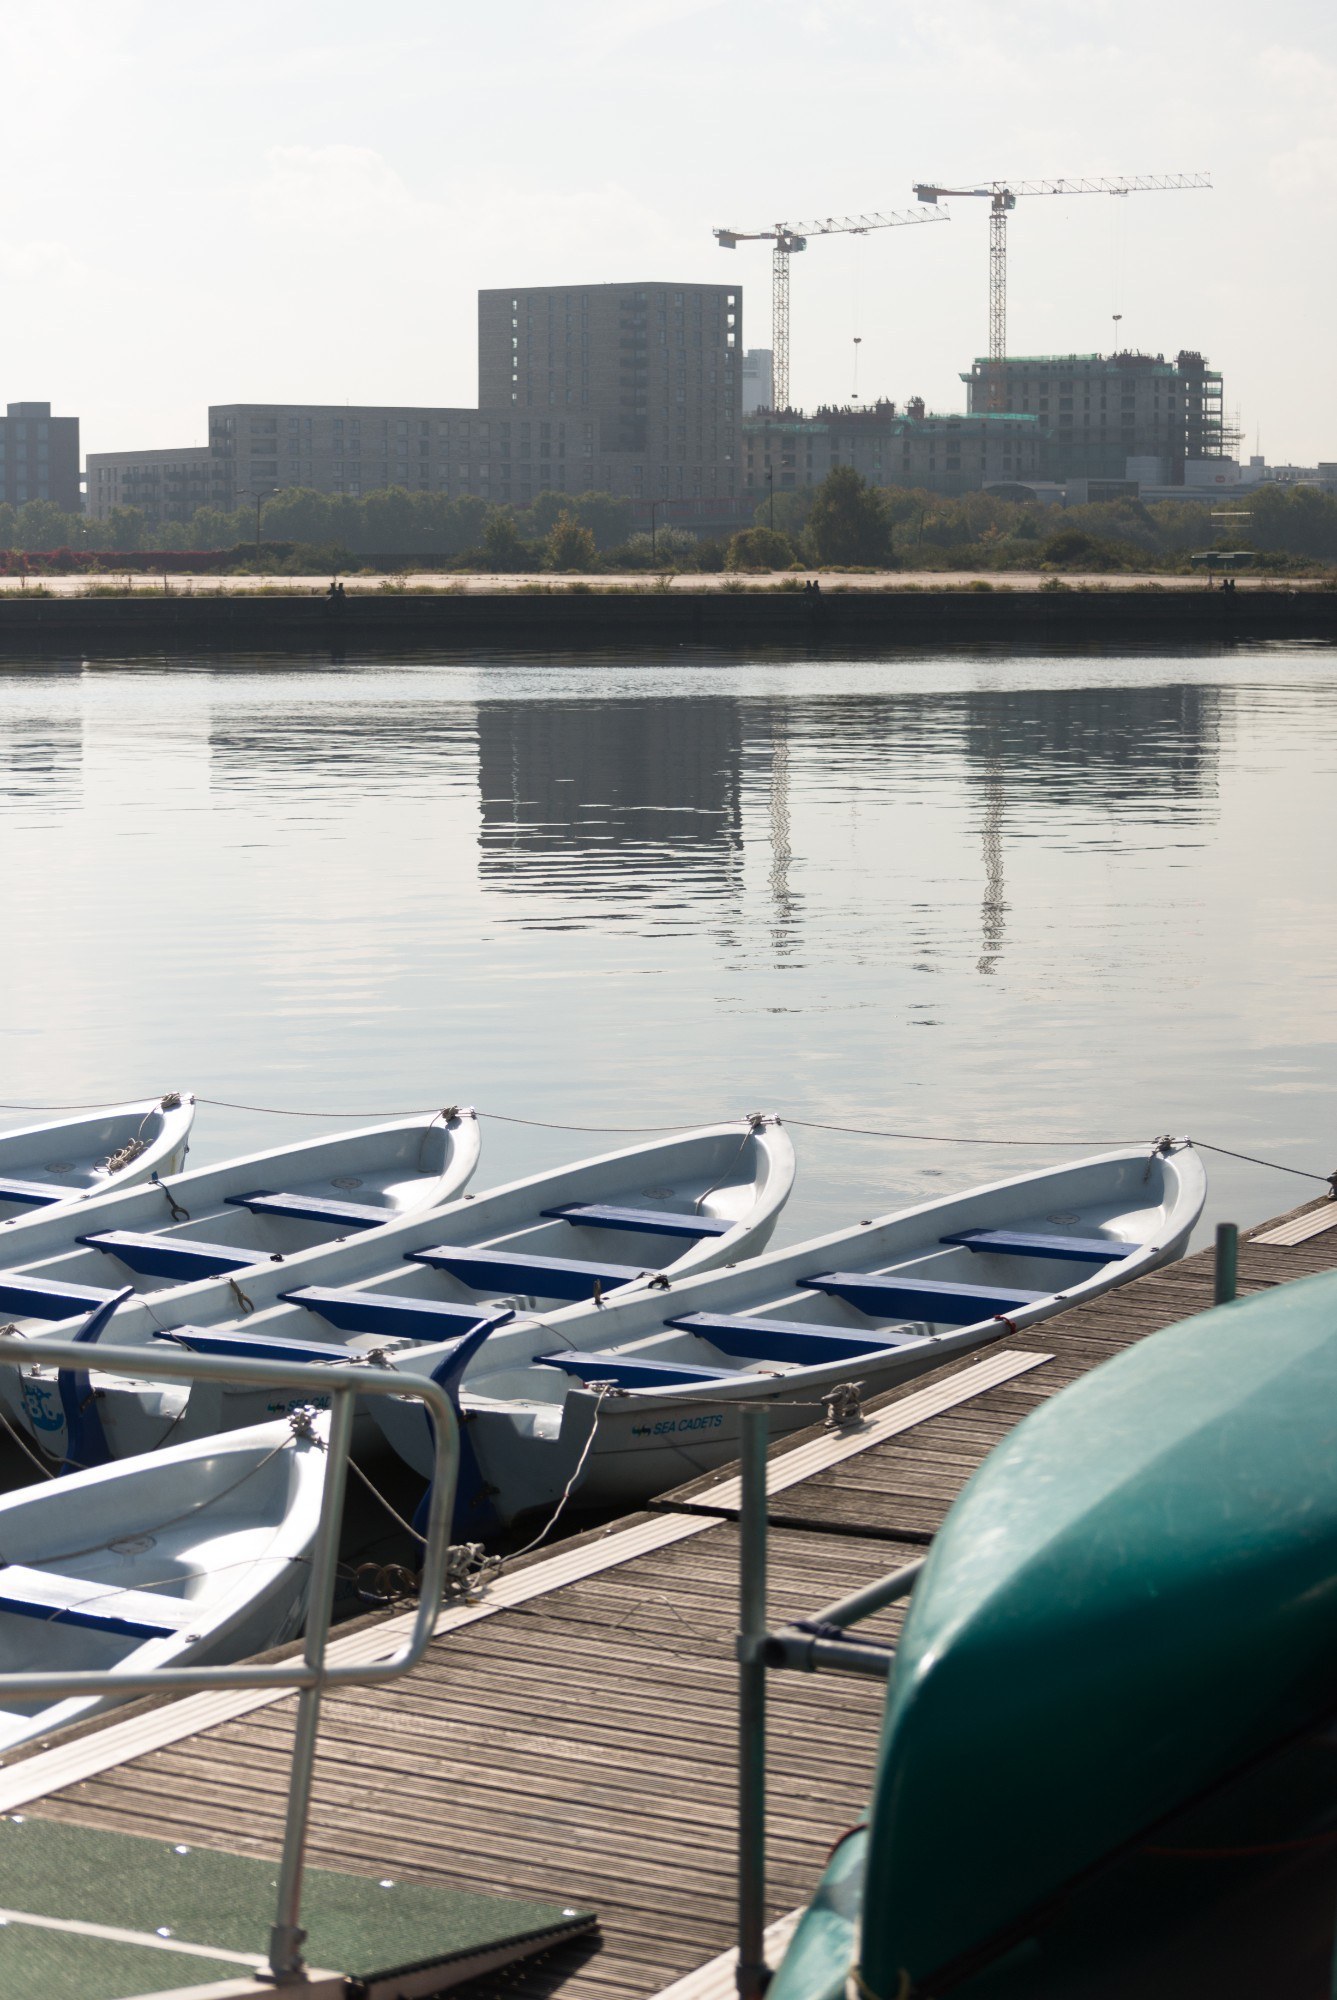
502,455
1102,410
660,364
164,485
887,447
39,457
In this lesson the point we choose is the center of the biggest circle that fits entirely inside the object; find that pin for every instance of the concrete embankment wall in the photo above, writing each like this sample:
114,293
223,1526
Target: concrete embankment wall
859,619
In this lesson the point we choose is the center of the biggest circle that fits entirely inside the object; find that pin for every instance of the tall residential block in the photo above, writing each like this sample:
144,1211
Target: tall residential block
659,365
39,457
1101,410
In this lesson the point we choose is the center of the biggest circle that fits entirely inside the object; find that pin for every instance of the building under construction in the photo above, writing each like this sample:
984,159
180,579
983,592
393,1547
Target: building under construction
1101,411
913,447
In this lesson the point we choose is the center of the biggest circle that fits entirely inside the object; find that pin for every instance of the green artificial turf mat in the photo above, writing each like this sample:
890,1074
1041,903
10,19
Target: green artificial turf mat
358,1925
53,1965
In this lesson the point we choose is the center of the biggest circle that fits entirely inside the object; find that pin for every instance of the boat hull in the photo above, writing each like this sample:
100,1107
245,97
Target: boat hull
738,1174
199,1553
48,1170
647,1440
1134,1597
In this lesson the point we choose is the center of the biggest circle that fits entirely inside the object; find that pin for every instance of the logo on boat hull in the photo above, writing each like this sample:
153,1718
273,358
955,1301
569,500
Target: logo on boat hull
41,1400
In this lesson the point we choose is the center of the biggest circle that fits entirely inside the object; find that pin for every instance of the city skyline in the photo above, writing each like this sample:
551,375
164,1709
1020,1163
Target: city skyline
303,209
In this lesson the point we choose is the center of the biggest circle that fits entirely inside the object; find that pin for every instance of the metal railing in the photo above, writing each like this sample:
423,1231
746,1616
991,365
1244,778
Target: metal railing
811,1645
309,1674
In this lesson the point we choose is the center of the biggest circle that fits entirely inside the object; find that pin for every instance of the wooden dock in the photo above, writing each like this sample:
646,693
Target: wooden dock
571,1736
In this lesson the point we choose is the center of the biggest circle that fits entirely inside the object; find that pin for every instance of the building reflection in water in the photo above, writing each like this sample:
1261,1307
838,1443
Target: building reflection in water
43,760
613,804
639,811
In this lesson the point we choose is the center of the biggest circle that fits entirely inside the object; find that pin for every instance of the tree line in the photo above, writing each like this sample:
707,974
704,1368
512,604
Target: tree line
842,523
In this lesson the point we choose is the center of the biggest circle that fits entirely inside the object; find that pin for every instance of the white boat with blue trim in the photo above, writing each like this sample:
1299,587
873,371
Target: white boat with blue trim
193,1556
221,1222
46,1170
635,1397
556,1242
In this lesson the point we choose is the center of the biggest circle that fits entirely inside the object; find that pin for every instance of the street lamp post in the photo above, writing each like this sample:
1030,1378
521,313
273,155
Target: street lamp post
770,485
259,499
654,542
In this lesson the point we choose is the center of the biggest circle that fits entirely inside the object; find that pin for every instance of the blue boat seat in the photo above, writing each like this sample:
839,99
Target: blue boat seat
1017,1243
392,1314
631,1372
646,1221
253,1346
537,1277
314,1208
918,1298
790,1339
95,1606
33,1194
44,1298
172,1256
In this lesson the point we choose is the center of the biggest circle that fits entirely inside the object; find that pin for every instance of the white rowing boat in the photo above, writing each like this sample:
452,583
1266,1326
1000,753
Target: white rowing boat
220,1222
623,1222
198,1554
46,1170
658,1378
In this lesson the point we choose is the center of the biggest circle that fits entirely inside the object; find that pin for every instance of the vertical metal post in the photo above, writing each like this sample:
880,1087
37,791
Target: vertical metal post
1227,1262
753,1974
287,1937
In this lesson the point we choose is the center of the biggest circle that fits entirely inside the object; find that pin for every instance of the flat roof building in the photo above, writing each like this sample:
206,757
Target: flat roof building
506,455
661,364
39,457
167,485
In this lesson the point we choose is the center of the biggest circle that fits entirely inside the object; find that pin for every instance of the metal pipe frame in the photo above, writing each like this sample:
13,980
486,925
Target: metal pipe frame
310,1675
757,1648
753,1975
810,1653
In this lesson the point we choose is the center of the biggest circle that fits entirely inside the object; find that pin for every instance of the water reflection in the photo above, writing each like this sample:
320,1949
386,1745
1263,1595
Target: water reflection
606,802
611,811
42,759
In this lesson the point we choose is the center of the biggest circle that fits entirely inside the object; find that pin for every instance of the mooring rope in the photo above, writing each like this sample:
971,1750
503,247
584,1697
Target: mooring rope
1032,1144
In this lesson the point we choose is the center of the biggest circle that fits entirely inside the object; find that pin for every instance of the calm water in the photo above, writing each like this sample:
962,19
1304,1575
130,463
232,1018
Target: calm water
1009,898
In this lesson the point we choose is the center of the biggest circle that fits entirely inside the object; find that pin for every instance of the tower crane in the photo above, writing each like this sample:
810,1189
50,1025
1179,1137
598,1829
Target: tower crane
1002,198
787,239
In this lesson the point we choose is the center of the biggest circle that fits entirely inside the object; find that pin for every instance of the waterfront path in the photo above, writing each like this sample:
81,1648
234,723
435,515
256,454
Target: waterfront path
572,1735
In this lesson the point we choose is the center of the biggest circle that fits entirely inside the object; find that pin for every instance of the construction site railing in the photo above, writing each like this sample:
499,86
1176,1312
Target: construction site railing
341,1384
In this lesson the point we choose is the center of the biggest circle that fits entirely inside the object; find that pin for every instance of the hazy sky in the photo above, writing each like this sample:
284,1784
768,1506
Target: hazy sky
298,201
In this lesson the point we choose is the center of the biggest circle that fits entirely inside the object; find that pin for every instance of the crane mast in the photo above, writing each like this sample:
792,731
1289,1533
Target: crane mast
787,239
1002,198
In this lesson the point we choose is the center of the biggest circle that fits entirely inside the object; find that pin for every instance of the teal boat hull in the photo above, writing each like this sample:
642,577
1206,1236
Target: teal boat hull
1132,1599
